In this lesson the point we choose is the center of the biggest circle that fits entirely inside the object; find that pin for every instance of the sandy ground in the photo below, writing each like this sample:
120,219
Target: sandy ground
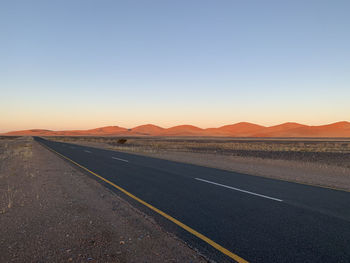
51,212
308,172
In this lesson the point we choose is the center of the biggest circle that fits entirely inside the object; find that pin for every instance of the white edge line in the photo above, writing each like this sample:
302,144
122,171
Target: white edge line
87,151
115,158
240,190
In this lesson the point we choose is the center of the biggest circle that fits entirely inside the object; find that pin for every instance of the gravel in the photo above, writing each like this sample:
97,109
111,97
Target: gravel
51,212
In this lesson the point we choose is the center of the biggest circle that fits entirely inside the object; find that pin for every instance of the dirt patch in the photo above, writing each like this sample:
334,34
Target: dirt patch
329,166
51,212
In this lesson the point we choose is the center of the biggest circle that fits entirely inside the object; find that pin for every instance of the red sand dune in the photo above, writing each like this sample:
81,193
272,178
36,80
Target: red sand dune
338,129
148,129
105,131
183,130
32,132
108,130
279,130
242,129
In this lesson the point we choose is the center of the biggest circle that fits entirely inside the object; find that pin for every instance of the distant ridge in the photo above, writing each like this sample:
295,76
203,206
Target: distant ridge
147,129
241,129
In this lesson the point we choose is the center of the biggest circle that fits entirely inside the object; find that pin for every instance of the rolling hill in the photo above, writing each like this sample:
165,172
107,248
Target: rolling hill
148,129
242,129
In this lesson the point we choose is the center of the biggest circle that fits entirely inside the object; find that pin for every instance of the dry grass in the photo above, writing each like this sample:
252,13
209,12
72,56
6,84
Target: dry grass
11,149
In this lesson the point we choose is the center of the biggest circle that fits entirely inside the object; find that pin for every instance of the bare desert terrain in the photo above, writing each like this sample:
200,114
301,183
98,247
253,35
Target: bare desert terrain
51,212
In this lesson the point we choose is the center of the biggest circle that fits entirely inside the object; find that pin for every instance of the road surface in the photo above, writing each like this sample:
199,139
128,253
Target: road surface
226,216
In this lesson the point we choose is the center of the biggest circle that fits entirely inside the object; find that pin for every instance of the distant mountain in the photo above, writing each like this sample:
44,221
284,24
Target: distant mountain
338,129
242,129
108,130
147,129
103,131
183,130
281,130
32,132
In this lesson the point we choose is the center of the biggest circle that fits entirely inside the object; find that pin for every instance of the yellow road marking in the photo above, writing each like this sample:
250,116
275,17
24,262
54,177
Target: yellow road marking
177,222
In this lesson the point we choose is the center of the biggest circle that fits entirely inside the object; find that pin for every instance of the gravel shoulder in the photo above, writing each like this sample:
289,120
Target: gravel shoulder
306,171
51,212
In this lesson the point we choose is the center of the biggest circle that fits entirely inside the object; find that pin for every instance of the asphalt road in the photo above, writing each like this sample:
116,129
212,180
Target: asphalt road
258,219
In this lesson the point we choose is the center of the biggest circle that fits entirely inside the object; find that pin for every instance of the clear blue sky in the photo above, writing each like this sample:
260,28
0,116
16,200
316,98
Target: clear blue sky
83,64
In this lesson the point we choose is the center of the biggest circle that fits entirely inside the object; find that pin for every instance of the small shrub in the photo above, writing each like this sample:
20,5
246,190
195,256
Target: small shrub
121,141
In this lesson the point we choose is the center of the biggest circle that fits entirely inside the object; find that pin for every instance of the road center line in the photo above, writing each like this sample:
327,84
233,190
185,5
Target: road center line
87,151
240,190
115,158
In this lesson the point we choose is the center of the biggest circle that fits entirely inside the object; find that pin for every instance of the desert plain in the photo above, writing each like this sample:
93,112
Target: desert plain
54,212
